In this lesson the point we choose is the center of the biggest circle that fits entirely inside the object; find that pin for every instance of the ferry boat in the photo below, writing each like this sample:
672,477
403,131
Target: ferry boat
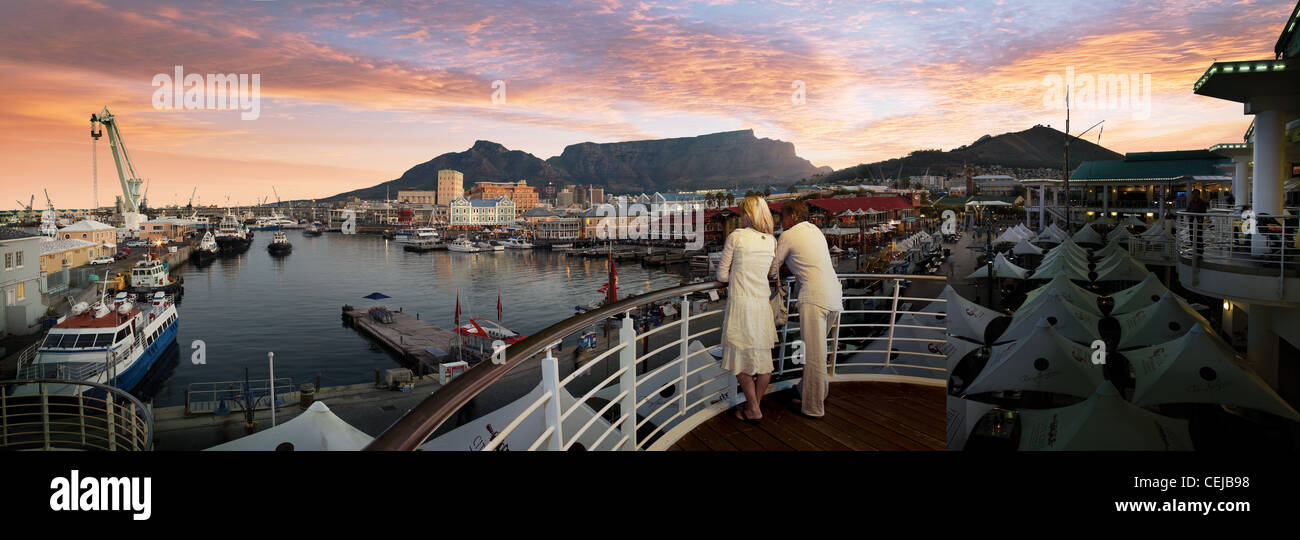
478,335
206,250
150,276
106,344
312,230
232,236
408,236
421,246
463,245
279,244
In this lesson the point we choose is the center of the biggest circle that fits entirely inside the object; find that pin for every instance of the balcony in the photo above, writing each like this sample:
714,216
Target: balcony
661,388
63,415
1219,256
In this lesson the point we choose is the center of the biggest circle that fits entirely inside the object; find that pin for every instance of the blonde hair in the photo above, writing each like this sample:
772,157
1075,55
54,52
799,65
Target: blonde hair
756,209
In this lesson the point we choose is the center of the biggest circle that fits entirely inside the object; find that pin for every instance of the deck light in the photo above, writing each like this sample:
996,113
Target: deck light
1227,306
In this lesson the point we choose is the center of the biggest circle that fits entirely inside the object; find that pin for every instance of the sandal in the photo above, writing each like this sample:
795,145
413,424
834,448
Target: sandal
742,413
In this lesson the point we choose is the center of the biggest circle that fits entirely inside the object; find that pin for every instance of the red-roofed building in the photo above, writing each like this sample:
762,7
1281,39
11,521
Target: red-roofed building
826,212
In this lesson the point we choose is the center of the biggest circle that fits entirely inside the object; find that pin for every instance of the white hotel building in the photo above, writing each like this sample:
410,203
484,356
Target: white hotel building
464,212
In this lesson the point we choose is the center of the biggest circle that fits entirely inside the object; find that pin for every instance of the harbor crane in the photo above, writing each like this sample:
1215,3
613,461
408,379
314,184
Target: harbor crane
48,203
126,175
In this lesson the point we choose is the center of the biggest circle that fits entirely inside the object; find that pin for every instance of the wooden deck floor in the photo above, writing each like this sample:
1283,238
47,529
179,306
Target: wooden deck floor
859,416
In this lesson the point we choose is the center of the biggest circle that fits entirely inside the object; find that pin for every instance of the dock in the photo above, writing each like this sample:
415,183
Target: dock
407,335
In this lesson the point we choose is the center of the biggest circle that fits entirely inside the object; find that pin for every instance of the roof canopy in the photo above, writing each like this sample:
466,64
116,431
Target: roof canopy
1087,235
1166,320
1062,265
1023,247
1199,368
1073,322
965,318
1002,268
1042,361
1103,422
1139,296
316,429
1120,234
1052,234
1060,286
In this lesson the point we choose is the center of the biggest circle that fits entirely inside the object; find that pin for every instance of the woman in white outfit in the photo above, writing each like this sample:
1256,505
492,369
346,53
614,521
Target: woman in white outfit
748,330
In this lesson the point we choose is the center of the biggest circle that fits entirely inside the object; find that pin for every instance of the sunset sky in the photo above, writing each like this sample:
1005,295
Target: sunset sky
352,93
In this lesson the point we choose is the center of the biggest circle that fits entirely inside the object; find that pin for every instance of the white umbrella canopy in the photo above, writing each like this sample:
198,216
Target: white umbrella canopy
1102,422
1069,247
1002,268
315,429
1200,368
1103,220
1125,268
1072,322
965,318
1024,232
1166,320
1078,259
1051,234
1076,295
1159,229
963,415
1043,361
956,349
1133,221
1139,296
1087,235
1061,266
1109,249
1023,247
1120,234
1010,236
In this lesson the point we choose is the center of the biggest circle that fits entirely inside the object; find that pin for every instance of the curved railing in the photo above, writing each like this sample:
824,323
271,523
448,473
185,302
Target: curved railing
72,415
649,398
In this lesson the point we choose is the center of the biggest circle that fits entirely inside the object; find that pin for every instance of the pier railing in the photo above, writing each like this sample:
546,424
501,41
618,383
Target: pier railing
79,415
1262,247
641,404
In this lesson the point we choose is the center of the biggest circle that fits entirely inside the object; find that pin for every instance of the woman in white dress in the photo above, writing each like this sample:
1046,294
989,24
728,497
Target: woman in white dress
748,329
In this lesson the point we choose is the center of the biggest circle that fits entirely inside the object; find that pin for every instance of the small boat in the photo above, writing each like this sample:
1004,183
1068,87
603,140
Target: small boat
516,242
490,246
415,235
312,230
422,246
206,250
279,244
150,276
479,335
463,245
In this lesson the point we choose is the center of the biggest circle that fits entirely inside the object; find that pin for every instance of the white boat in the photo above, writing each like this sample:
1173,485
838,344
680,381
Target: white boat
274,222
279,244
150,276
463,245
490,246
479,335
231,235
112,344
412,236
516,242
206,249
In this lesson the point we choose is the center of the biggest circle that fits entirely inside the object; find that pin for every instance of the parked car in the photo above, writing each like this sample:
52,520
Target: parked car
102,260
122,254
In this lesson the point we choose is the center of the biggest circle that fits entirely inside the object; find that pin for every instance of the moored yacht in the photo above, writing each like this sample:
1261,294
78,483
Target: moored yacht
421,234
463,245
312,230
231,235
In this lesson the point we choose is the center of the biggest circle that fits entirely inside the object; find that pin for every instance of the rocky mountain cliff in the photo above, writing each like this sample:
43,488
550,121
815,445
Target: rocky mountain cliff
729,159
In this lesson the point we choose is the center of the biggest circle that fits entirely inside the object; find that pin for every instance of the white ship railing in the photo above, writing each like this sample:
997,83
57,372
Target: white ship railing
630,374
1229,242
72,415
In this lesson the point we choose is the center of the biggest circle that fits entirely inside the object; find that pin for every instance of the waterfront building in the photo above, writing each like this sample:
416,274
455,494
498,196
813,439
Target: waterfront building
995,184
558,229
172,229
67,252
417,196
451,186
524,197
1139,185
20,278
464,212
104,236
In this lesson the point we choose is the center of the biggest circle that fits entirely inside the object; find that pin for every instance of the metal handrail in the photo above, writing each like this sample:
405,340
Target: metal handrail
414,427
417,424
1228,241
35,422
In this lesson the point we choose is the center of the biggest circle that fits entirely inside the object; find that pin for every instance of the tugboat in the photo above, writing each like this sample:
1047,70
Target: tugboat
106,344
279,244
231,235
150,276
206,250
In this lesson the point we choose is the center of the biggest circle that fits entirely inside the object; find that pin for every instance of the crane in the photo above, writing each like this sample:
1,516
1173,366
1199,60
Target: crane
48,203
126,175
192,193
277,196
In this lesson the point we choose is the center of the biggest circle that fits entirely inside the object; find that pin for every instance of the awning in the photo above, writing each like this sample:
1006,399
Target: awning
1042,361
1166,320
1103,422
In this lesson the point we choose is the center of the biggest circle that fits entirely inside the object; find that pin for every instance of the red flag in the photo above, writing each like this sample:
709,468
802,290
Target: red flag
457,320
498,306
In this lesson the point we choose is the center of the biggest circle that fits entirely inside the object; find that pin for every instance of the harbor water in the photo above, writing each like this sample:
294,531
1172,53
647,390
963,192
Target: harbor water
238,308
